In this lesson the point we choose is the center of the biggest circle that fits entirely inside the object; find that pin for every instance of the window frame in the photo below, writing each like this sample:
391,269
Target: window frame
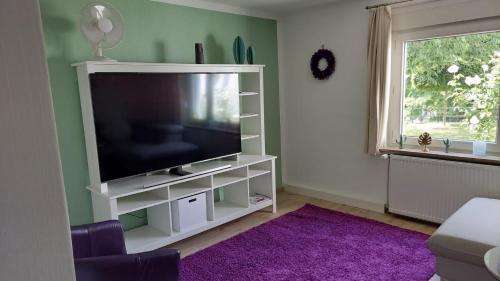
398,58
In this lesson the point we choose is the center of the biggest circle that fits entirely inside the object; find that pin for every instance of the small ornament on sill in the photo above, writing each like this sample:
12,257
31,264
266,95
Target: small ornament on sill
447,144
425,140
401,141
479,148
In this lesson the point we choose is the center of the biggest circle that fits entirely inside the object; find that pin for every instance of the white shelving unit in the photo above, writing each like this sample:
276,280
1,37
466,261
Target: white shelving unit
233,178
247,175
189,188
137,202
229,177
255,173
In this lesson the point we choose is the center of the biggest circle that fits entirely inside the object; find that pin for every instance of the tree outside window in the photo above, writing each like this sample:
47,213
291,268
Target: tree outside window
452,87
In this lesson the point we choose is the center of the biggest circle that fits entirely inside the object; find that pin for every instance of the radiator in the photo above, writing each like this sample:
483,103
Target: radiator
432,190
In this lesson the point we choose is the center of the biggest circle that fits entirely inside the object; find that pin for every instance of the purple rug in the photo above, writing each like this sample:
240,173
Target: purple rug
313,243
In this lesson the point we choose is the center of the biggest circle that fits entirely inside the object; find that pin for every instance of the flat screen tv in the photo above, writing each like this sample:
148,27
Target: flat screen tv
147,122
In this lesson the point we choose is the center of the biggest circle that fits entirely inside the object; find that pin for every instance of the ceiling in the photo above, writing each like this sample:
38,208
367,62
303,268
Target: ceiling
259,8
273,6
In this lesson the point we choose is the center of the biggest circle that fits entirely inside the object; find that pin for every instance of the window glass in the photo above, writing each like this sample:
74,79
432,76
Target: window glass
451,87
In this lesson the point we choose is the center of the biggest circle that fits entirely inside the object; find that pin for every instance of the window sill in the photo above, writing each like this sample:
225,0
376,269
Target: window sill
452,156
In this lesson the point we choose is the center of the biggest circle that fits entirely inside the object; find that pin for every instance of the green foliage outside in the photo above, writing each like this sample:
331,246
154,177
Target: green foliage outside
452,87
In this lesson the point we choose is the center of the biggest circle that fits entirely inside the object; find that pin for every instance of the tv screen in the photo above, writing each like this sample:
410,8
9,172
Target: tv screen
147,122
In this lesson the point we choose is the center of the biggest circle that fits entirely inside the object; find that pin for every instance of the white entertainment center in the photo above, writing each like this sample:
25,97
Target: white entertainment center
240,176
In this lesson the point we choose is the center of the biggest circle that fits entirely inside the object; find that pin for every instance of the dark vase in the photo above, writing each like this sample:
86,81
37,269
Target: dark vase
200,59
250,55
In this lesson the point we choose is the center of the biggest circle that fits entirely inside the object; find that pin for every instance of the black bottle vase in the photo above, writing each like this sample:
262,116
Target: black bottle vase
200,59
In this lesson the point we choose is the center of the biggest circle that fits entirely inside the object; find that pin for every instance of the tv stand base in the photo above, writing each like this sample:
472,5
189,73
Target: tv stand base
247,177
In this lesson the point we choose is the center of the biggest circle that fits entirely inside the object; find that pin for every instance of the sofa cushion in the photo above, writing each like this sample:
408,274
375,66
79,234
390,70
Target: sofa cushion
469,233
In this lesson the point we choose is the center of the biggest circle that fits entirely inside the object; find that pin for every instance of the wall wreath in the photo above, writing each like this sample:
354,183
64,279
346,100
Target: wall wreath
327,55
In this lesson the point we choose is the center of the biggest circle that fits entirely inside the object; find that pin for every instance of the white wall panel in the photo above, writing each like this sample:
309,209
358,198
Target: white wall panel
34,234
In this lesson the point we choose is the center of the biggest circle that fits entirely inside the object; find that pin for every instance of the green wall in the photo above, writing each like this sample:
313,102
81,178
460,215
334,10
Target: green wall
154,32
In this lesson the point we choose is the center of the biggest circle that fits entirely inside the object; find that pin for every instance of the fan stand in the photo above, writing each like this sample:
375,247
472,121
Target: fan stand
99,56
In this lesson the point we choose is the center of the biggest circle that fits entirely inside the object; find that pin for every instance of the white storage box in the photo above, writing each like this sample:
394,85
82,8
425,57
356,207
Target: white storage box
189,212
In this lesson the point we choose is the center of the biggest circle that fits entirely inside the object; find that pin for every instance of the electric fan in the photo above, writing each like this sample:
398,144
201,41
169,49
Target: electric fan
102,25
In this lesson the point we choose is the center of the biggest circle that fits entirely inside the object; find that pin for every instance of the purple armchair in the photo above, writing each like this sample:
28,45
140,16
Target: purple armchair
100,255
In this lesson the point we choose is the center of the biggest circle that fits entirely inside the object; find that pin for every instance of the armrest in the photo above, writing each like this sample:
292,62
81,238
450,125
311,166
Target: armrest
159,265
98,239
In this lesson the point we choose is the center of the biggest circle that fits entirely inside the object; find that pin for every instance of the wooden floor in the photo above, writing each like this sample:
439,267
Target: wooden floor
288,202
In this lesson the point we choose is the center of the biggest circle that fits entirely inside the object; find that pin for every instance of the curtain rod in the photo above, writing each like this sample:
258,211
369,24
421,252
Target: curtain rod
387,4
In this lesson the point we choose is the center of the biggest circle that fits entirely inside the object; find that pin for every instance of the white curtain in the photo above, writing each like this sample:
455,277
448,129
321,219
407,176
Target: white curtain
379,64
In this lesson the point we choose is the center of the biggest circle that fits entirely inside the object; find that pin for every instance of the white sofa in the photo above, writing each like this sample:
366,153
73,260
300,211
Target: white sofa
461,241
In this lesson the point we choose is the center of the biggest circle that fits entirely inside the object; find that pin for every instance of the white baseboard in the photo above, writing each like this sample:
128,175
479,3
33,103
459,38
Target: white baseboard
341,199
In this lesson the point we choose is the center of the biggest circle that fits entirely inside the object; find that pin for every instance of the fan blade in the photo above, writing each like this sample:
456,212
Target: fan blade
101,24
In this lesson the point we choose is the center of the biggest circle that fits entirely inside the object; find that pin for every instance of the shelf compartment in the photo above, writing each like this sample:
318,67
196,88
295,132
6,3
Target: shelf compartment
143,236
259,169
185,189
262,184
232,198
252,146
250,82
223,209
229,177
154,233
264,202
220,181
139,201
251,127
252,172
189,213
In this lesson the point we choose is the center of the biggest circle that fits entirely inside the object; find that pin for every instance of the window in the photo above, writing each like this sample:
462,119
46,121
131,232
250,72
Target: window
446,81
452,87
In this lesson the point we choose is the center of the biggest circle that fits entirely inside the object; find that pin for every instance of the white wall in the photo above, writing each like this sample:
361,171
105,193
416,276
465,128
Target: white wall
324,122
34,228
